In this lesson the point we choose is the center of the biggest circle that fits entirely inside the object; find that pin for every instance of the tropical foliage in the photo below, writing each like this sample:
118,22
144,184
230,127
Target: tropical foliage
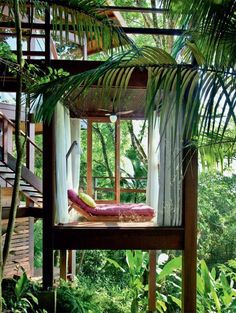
76,18
216,219
211,24
20,295
206,95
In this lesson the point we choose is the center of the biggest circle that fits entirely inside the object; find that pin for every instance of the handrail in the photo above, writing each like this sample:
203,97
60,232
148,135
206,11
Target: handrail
4,117
112,189
122,177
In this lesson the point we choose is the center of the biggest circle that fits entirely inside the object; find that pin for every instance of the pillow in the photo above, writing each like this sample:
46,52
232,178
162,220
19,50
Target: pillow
76,199
87,199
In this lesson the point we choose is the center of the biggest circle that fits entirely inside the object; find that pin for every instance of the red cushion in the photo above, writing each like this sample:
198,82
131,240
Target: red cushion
73,196
125,209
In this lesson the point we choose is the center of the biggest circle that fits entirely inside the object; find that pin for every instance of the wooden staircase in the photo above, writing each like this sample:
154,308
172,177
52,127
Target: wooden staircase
30,185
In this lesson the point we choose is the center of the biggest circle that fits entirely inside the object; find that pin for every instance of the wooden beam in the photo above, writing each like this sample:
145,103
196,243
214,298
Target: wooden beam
137,80
117,237
127,30
24,212
24,35
132,9
153,31
189,266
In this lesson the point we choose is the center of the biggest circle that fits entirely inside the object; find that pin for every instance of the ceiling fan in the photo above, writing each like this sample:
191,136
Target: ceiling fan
114,115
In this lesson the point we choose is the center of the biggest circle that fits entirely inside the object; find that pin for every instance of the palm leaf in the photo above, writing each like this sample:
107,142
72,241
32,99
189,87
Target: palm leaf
211,24
204,95
79,17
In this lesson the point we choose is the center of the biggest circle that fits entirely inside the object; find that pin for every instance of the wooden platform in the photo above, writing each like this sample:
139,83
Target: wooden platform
108,224
116,235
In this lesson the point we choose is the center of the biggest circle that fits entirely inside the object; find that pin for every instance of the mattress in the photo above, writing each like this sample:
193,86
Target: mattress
122,209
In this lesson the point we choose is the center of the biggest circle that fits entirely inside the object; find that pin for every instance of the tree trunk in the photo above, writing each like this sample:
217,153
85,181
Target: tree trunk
19,146
104,152
136,144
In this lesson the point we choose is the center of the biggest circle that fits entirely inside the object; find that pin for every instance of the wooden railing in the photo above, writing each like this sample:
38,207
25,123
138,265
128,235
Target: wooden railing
8,128
134,190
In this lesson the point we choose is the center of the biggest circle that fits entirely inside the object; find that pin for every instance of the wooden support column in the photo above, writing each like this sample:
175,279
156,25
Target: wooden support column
48,178
71,264
189,266
152,281
48,202
31,245
63,264
89,159
117,161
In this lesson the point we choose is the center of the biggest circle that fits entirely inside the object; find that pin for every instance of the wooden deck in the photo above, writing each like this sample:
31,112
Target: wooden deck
109,224
116,235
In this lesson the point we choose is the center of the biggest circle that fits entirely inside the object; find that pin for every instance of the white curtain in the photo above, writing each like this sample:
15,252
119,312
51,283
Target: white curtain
153,163
75,154
170,174
62,142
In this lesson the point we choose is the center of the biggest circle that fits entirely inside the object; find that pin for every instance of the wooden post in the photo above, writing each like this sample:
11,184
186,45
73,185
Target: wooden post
71,264
189,266
31,245
63,264
117,161
89,159
48,178
152,281
48,203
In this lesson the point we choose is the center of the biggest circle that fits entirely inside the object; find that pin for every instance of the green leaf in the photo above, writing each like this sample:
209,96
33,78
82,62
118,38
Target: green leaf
170,267
113,262
21,285
177,301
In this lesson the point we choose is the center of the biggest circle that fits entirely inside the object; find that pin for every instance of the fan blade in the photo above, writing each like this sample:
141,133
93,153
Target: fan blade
124,112
104,110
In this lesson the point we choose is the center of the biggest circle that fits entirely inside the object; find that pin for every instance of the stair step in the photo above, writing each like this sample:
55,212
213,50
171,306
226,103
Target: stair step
29,188
25,184
6,171
30,192
37,196
9,175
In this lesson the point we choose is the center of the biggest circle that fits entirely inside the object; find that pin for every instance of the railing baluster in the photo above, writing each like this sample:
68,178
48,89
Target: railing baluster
5,139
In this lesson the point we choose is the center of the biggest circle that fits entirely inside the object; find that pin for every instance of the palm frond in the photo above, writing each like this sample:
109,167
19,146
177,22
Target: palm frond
79,18
206,96
211,24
